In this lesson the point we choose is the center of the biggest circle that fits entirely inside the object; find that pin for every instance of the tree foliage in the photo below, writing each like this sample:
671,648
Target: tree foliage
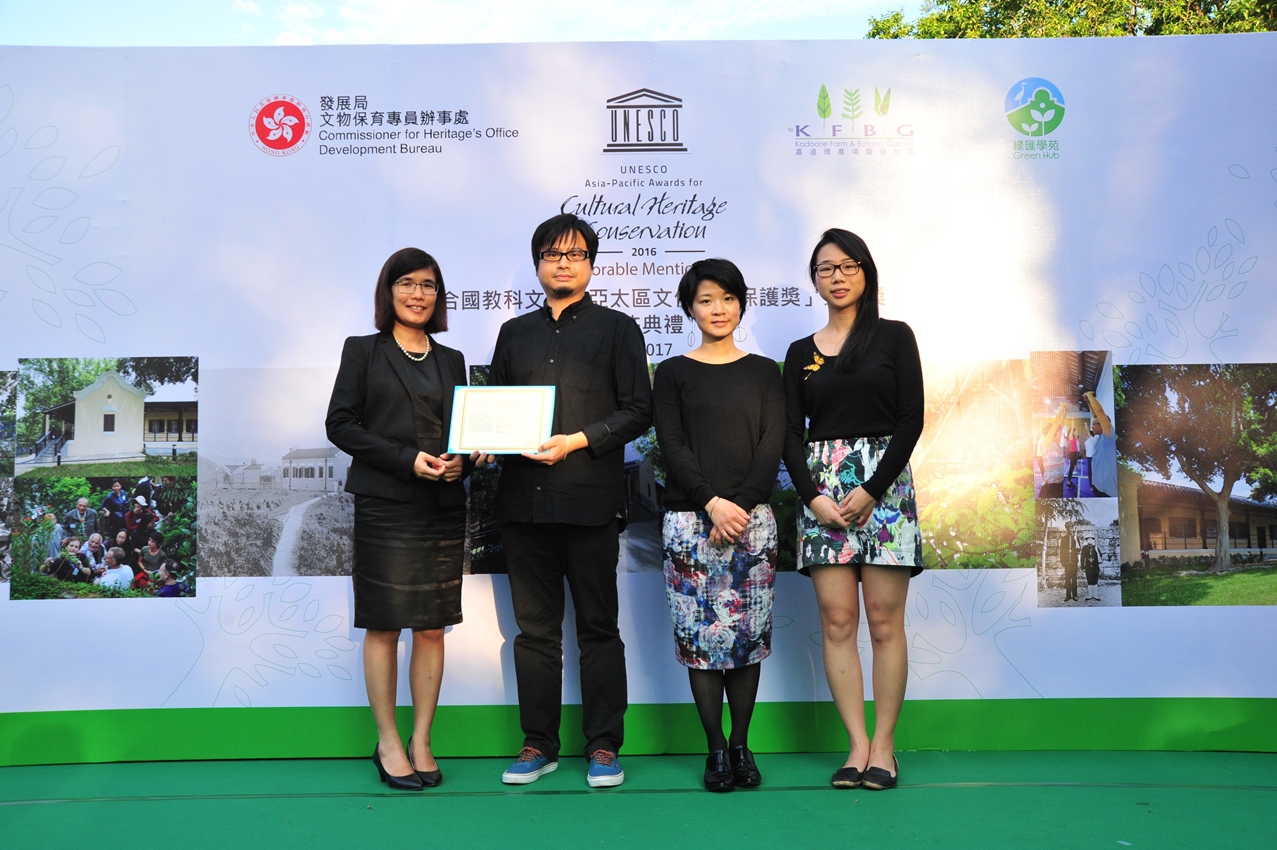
1072,18
146,373
1215,424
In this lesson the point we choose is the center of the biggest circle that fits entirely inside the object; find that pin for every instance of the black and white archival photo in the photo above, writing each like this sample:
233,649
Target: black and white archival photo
1078,541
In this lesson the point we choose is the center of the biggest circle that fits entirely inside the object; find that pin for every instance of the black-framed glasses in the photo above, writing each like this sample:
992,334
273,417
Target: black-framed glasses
850,268
407,287
576,255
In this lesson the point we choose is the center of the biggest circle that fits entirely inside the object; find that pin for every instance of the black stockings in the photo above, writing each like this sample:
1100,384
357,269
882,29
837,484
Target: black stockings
741,686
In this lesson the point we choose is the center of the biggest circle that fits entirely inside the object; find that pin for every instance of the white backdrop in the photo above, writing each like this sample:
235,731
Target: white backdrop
174,233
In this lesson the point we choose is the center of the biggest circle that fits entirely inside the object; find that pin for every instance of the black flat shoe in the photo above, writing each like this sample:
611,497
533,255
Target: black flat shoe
411,782
878,779
429,778
744,772
718,772
846,777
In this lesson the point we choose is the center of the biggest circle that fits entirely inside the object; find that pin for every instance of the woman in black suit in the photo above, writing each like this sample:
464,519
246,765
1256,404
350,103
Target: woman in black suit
389,411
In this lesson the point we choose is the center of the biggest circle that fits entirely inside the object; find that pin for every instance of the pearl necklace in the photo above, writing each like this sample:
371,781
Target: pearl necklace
415,358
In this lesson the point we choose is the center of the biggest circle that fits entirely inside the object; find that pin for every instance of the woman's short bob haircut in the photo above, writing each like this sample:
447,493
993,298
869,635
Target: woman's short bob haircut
862,330
720,271
402,262
554,230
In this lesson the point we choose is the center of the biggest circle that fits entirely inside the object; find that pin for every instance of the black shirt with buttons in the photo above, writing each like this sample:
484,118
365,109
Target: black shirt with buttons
595,359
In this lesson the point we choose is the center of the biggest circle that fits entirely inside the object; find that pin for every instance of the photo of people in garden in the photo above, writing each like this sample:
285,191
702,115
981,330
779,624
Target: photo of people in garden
103,537
6,537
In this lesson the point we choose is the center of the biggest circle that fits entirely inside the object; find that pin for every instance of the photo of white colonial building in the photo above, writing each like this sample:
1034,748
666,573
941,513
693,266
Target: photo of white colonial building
110,420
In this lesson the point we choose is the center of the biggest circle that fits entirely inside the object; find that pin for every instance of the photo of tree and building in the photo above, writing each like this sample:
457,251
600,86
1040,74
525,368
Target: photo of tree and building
8,415
1197,494
107,416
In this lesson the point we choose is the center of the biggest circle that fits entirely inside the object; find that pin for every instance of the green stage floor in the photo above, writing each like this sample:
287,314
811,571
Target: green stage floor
948,799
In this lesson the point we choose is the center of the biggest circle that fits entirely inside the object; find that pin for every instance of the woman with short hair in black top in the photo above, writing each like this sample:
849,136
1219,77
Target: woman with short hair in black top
390,411
720,423
855,389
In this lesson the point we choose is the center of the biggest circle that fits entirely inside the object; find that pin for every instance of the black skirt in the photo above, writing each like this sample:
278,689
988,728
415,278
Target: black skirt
407,570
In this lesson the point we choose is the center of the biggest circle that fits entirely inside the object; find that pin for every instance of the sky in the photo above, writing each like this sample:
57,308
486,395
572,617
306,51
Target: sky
213,23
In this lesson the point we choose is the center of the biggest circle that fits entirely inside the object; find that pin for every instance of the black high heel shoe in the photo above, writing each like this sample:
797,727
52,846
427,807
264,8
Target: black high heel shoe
718,772
744,770
411,782
429,778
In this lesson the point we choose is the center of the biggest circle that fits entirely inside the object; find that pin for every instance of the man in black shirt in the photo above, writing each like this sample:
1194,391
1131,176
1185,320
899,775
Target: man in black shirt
559,505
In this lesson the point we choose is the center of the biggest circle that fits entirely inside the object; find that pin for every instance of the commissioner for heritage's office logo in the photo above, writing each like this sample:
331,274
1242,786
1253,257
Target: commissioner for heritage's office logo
280,125
644,121
1035,107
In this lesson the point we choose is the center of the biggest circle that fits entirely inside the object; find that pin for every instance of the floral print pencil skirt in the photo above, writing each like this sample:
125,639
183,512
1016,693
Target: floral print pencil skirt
891,537
720,596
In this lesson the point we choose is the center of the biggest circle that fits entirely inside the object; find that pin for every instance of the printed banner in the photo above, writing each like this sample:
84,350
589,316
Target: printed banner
1080,233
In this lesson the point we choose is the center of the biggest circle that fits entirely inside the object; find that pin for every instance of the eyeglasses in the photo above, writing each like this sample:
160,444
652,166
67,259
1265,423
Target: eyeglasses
850,268
407,287
576,255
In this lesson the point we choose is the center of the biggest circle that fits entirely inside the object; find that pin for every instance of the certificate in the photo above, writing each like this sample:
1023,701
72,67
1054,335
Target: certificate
500,420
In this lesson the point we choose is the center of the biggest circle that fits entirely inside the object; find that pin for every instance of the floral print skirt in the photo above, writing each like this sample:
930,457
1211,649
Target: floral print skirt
891,537
720,596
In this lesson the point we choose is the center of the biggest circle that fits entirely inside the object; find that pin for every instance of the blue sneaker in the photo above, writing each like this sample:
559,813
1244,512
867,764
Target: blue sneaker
530,766
605,771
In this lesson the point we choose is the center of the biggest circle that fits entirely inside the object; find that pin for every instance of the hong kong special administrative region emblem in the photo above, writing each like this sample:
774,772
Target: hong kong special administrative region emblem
280,125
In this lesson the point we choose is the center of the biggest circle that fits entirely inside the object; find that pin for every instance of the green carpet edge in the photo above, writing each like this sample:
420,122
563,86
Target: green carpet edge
1236,724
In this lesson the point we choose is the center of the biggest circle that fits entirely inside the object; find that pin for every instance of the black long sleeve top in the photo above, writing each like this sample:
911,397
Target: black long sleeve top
595,359
721,427
880,397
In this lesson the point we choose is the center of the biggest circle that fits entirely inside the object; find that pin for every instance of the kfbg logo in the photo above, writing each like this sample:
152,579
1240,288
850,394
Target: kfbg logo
1035,107
644,121
280,125
849,123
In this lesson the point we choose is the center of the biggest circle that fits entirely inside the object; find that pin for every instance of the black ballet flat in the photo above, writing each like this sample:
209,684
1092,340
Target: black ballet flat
411,782
744,772
429,778
718,772
846,777
878,779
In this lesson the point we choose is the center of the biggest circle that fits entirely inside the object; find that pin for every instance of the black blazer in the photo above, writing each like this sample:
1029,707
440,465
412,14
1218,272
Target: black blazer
371,418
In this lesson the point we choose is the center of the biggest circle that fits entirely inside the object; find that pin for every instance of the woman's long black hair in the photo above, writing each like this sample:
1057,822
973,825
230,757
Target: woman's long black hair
857,342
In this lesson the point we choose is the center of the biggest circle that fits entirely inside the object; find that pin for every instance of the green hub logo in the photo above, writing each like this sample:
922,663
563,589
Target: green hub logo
1035,107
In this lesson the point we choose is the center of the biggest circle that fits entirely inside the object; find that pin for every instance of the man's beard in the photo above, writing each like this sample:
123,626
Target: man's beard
563,291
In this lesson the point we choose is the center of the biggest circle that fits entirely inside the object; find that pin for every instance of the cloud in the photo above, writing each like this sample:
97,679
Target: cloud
248,7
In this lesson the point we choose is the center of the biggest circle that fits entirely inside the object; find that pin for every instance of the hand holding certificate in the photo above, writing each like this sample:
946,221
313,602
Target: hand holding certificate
500,420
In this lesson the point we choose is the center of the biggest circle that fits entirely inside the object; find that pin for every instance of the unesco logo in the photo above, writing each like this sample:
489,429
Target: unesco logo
644,121
279,125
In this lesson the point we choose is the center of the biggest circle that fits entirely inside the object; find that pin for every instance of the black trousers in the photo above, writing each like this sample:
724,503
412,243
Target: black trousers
539,556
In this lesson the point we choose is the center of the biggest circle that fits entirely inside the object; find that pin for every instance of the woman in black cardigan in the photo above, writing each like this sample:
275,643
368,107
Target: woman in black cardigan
854,412
389,411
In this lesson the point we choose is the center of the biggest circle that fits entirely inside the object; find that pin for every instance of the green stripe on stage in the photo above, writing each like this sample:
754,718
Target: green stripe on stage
184,734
